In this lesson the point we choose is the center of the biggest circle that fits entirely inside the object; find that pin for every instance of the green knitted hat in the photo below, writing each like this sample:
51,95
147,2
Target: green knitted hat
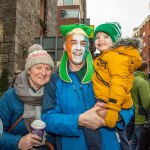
65,29
113,29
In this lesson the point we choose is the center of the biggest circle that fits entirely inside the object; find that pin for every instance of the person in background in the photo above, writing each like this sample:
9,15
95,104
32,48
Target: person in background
16,72
144,138
149,76
141,100
130,129
20,105
69,102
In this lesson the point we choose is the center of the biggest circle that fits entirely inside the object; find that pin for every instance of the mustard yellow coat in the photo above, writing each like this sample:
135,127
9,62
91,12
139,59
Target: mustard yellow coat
113,77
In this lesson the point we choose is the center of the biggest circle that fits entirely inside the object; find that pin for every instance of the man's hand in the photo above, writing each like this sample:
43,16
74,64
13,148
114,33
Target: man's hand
91,119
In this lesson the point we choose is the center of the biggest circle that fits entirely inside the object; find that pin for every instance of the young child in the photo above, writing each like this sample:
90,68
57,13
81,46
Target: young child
112,81
113,76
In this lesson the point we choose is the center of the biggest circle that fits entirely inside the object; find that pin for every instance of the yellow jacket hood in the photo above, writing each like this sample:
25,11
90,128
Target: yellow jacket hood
130,47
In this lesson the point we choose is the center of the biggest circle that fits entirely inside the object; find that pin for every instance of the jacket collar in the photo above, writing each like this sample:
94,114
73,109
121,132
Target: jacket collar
141,74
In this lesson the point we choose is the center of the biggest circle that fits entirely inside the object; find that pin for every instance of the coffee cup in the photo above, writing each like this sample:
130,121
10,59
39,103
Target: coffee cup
37,128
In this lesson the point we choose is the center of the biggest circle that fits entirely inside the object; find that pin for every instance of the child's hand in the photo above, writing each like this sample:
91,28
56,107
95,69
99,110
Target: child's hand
101,104
102,112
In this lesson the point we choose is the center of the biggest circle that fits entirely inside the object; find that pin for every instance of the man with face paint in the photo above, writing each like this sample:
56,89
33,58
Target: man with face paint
77,48
69,106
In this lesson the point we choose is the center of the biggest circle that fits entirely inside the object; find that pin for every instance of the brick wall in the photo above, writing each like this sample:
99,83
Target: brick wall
62,21
145,33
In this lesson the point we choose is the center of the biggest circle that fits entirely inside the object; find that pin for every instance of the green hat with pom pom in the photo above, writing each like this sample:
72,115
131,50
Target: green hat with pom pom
113,29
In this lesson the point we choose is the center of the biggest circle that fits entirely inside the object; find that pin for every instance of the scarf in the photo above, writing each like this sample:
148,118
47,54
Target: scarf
32,100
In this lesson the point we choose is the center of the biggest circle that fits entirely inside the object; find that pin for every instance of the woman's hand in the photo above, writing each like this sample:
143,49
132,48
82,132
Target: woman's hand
91,118
28,141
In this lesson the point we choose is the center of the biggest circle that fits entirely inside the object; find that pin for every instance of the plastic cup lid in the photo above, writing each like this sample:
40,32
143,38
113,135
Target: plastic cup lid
38,124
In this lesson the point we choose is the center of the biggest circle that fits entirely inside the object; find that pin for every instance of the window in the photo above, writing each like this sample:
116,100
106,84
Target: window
70,13
68,2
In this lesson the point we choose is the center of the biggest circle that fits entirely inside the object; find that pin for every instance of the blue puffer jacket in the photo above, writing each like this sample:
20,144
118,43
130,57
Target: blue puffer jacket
11,108
63,101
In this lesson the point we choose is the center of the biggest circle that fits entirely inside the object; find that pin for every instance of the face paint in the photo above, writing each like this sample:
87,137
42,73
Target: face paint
77,48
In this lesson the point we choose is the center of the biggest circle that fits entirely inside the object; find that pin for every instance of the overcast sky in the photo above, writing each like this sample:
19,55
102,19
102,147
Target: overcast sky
129,13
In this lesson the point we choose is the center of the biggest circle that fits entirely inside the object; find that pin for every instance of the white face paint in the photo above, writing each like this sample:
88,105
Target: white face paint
77,48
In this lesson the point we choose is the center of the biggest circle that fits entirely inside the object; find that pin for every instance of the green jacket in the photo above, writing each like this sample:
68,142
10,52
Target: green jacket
141,96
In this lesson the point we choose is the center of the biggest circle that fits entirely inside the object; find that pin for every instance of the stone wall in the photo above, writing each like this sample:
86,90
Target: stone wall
51,18
19,25
27,28
7,33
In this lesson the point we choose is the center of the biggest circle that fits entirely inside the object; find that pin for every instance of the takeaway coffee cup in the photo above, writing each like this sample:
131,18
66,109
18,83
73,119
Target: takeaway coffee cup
37,128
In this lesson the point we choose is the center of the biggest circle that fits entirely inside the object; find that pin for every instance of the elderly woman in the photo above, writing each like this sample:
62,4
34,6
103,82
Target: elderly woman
20,105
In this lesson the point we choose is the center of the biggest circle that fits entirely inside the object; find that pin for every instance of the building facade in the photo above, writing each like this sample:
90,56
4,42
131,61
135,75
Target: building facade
22,21
143,31
70,11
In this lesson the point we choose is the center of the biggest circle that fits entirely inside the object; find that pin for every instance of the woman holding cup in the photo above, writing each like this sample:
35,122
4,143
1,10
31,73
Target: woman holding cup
21,105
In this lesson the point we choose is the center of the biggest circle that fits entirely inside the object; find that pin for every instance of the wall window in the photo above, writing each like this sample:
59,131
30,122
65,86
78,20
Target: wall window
68,2
70,13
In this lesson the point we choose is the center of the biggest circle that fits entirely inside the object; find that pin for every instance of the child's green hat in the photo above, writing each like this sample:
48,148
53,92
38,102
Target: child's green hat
113,29
67,29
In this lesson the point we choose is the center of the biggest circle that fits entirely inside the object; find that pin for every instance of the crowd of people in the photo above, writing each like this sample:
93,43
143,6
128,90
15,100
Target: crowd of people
85,104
